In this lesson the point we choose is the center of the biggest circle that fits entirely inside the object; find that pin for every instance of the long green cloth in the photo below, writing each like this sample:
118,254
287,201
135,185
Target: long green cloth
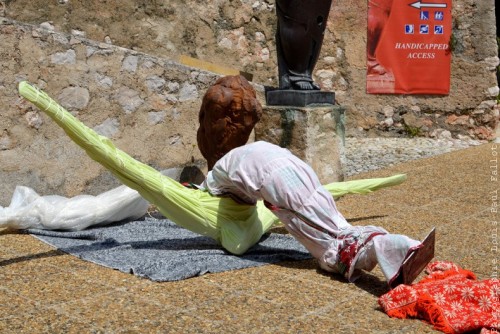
235,226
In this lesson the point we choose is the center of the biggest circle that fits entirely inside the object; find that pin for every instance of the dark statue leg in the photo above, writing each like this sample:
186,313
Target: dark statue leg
299,36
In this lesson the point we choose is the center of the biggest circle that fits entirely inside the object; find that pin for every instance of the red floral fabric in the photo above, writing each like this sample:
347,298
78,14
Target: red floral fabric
348,254
450,298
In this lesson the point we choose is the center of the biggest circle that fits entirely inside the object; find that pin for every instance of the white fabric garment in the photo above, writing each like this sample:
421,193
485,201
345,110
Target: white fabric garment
265,171
393,246
30,210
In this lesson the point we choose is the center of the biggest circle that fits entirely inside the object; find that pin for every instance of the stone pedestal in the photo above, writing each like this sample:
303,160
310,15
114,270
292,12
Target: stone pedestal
298,98
315,134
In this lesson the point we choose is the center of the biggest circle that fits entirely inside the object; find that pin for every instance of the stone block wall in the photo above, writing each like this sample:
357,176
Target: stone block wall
240,34
315,134
112,63
148,106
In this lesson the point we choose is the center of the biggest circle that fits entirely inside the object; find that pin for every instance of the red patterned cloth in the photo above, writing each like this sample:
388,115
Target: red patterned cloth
450,298
348,254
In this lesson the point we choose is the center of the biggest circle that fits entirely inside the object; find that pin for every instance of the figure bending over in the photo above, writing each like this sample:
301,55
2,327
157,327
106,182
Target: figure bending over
248,174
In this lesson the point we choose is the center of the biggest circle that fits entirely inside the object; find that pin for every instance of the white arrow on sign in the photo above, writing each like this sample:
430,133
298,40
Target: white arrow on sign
420,5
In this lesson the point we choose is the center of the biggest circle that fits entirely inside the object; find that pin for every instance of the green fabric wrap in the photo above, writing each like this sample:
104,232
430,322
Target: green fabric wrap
235,226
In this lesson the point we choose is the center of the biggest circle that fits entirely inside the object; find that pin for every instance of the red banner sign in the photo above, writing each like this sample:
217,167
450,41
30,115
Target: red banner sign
408,47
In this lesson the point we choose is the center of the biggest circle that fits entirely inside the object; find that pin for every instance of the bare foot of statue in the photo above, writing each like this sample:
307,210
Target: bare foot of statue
305,85
297,82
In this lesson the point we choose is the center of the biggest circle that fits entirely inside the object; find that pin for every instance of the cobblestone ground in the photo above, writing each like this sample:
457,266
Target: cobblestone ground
365,154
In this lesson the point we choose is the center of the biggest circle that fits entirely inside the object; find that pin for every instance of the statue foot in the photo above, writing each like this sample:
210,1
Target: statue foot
298,82
305,85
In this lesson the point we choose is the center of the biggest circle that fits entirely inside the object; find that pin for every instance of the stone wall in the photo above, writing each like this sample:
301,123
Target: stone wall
240,34
148,106
112,63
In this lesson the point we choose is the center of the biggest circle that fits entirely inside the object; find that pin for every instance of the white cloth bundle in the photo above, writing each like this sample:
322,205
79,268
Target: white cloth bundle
30,210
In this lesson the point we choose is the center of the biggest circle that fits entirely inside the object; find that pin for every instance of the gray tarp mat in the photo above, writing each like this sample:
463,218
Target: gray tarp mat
162,251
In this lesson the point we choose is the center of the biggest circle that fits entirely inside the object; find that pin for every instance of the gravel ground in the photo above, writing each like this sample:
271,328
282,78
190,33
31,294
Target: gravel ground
365,154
